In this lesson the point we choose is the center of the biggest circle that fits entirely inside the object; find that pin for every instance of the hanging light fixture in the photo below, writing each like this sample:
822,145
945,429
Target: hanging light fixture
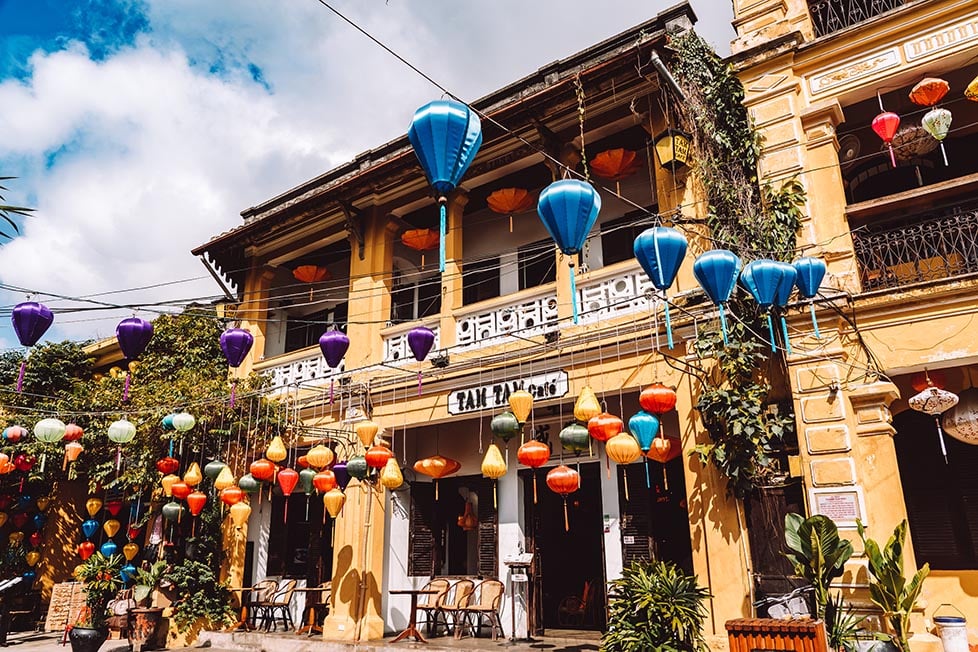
885,125
661,250
467,520
673,147
494,467
934,401
437,467
716,271
533,454
564,481
961,421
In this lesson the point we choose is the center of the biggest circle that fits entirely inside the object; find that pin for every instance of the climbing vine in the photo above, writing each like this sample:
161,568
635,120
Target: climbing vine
755,221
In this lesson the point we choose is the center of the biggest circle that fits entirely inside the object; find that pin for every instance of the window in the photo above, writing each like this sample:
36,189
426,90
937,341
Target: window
941,499
299,546
415,300
304,330
537,264
438,545
480,280
655,521
618,237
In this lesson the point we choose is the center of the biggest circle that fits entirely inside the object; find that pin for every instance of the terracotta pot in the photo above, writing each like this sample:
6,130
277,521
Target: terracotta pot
143,626
86,639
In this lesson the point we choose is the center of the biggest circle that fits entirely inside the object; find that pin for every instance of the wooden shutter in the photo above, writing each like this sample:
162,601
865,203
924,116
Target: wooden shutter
421,542
636,530
488,530
765,510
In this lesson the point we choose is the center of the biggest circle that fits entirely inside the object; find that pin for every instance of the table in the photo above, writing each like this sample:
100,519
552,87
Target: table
311,625
243,619
412,626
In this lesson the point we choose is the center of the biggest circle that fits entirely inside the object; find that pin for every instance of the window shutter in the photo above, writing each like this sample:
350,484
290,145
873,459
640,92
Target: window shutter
636,533
488,562
421,543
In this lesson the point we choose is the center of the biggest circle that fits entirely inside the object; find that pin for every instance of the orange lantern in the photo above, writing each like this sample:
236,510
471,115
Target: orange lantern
929,91
564,480
72,450
319,456
437,467
180,490
366,431
657,399
664,450
324,481
167,482
971,92
196,501
623,449
377,456
604,426
239,514
420,240
333,501
507,201
615,164
533,454
262,469
310,274
231,496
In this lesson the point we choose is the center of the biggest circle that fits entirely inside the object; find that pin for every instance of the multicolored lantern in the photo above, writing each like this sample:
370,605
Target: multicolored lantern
808,279
564,481
937,122
13,434
507,201
437,467
660,250
493,466
533,454
885,125
934,401
446,136
420,340
236,344
716,271
133,335
961,421
31,320
568,209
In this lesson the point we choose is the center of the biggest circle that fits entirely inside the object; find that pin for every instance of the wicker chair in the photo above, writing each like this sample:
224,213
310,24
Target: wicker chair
260,596
279,604
432,603
317,607
450,610
485,607
574,610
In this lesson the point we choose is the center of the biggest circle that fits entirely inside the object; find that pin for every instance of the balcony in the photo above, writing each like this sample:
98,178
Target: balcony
830,16
303,366
930,246
531,312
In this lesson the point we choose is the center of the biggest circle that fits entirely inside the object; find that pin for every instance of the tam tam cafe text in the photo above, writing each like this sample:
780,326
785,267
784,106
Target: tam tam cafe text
496,395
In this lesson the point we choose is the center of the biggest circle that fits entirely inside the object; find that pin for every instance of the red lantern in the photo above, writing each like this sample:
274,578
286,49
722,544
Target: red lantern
167,465
885,125
113,507
23,463
86,549
310,273
564,480
604,426
231,496
533,454
196,501
180,490
73,432
615,164
924,379
133,532
324,481
377,456
657,399
14,434
6,500
36,539
262,469
19,519
287,480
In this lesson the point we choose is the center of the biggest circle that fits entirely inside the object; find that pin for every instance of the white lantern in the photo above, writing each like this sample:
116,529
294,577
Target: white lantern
183,421
961,421
122,431
934,401
49,431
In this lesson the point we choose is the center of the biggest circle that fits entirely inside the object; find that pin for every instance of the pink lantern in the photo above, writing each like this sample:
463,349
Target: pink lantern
885,125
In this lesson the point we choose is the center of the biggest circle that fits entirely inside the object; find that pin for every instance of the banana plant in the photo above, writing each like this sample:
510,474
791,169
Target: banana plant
816,552
888,586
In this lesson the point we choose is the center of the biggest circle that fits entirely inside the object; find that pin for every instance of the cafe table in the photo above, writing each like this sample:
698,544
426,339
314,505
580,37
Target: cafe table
311,625
243,618
412,626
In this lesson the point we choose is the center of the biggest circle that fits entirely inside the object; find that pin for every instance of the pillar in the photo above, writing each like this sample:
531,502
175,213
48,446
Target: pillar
370,289
254,310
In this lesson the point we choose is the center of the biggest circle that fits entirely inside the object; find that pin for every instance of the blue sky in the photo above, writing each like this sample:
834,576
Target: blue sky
141,128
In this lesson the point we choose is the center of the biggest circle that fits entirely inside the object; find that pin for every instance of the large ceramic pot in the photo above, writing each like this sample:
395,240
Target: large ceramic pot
143,626
86,639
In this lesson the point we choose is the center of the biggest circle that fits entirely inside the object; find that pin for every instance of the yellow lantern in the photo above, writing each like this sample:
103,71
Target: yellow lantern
240,513
390,476
42,503
319,456
168,481
93,505
333,501
111,527
77,573
366,431
276,451
224,479
3,518
493,466
521,404
16,538
32,558
587,405
623,449
130,550
193,476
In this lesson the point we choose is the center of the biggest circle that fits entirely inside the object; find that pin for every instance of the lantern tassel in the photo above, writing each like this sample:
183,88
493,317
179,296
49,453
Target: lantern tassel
811,307
784,331
668,324
944,153
534,487
648,482
723,324
118,459
234,392
940,436
892,156
20,376
624,472
770,330
566,520
665,478
307,508
443,230
419,382
285,512
436,490
573,289
64,465
330,391
510,223
125,387
495,503
44,458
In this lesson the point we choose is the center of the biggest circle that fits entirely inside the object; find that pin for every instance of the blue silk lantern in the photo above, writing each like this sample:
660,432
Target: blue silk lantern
24,501
89,528
30,576
644,427
783,295
40,520
660,250
127,573
109,548
446,136
762,278
811,271
717,271
569,208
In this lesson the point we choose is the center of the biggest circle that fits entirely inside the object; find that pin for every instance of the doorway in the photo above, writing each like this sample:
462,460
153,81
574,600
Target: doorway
567,589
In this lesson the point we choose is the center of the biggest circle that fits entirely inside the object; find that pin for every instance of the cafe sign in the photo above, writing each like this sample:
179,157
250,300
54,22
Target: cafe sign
495,396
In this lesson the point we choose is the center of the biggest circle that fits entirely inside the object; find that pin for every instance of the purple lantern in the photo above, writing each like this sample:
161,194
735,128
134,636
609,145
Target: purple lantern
342,477
420,340
236,343
31,320
133,335
334,344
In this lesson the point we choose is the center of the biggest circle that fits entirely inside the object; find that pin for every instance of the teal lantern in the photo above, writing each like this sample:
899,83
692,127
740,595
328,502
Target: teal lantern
810,271
783,296
661,250
568,209
717,271
644,427
446,136
762,278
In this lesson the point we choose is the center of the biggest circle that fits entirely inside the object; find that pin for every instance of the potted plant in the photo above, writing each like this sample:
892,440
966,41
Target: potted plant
101,581
816,552
144,619
203,601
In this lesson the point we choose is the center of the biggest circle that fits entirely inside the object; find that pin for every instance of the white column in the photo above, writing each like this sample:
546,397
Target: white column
259,529
511,542
397,534
611,521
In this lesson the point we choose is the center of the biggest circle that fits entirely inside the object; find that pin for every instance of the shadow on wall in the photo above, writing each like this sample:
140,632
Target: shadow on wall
62,534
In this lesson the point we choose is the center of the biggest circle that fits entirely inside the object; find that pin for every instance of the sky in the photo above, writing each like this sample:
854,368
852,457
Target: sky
139,129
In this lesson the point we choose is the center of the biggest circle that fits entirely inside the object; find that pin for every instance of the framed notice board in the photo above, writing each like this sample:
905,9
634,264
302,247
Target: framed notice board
67,600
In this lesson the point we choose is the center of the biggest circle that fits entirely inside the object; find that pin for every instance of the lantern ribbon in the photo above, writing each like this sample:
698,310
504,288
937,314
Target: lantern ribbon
443,230
662,281
573,289
125,387
234,392
940,436
723,323
20,376
784,331
811,307
770,330
665,305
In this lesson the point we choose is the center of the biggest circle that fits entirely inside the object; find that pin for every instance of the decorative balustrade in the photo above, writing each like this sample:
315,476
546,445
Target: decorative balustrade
396,347
625,293
311,367
531,317
829,16
926,247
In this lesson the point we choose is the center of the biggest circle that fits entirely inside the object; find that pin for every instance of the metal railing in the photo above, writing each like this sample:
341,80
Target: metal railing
830,16
927,247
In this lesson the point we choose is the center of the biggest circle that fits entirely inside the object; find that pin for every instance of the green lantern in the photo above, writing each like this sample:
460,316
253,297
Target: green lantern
305,480
575,438
357,467
505,425
213,469
174,511
249,484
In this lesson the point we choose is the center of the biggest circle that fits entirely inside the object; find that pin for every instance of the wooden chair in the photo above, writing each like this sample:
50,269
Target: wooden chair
261,595
432,603
485,607
317,607
573,611
280,603
451,607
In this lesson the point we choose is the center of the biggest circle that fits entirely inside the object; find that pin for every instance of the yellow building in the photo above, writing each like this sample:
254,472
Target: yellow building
898,299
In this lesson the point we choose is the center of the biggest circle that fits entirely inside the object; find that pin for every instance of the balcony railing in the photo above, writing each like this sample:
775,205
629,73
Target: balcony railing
531,315
305,366
396,347
609,294
928,247
830,16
